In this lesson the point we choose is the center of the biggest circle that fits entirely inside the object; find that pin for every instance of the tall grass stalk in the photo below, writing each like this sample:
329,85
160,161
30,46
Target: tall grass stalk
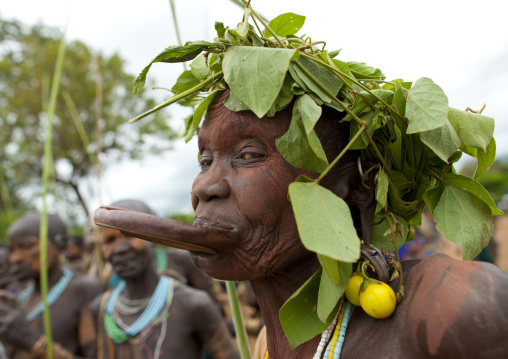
177,28
241,334
95,161
47,169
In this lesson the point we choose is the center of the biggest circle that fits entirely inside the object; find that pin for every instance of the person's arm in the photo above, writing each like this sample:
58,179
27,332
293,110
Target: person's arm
212,330
458,309
16,331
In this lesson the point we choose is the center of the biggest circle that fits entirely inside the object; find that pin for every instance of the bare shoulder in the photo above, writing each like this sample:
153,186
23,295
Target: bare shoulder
85,288
192,298
456,307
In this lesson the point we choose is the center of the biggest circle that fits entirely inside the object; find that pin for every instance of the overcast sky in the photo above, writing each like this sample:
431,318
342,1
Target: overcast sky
461,45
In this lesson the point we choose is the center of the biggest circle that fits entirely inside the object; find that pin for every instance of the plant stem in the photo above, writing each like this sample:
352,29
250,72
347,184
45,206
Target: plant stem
325,172
357,119
331,95
79,127
178,97
341,74
241,334
48,154
263,22
177,28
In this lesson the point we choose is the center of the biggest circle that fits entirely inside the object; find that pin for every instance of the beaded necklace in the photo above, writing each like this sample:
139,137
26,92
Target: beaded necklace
336,330
53,294
155,310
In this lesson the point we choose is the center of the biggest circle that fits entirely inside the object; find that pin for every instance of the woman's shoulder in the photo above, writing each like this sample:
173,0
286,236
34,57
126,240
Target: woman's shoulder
452,305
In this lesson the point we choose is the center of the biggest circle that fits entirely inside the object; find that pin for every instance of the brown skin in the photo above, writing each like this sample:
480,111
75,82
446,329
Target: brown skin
67,321
180,261
452,308
194,322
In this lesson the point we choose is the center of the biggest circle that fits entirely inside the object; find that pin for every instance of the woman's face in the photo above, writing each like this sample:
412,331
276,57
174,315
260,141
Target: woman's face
128,256
24,257
242,188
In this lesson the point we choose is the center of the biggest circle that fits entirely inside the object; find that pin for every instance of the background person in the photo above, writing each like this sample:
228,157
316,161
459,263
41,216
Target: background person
21,323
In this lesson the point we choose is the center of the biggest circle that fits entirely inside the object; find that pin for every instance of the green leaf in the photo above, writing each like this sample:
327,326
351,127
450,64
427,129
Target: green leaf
234,104
330,266
215,62
199,68
185,81
399,99
382,183
342,67
465,220
473,187
396,147
442,140
189,129
286,24
471,151
486,159
200,110
398,205
243,29
219,27
300,145
321,74
381,236
285,97
173,54
384,95
334,53
432,197
474,130
426,106
298,315
324,222
362,71
330,292
256,74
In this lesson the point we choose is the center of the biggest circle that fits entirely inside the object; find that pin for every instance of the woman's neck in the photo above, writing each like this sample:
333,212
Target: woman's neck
54,275
142,285
271,294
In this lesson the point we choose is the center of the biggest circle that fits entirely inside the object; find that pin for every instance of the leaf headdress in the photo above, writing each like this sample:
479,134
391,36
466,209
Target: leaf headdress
407,128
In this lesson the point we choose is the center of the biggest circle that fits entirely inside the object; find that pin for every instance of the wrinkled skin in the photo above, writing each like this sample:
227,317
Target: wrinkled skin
242,187
195,322
226,194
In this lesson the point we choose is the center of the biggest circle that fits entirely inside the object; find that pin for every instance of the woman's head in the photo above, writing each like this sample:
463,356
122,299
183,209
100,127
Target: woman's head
243,186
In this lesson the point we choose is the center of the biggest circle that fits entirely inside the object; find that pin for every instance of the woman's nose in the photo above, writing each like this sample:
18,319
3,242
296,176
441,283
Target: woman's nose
210,185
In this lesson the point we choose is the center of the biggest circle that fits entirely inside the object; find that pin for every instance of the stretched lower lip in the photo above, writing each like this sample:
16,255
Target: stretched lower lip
210,223
205,236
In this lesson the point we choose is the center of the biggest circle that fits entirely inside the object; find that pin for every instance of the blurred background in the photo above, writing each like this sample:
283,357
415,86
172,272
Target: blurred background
461,45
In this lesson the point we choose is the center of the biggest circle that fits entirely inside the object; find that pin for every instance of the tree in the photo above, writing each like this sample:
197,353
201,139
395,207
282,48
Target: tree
94,88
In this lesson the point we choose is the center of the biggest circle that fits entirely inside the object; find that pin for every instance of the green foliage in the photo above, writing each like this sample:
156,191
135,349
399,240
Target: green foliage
406,129
300,308
324,221
26,64
256,74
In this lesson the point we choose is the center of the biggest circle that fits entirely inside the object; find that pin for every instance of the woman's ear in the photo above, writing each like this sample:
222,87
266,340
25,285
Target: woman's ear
358,191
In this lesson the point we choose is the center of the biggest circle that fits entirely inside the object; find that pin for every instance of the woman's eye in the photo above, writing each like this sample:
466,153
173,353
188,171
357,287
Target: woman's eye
110,239
251,156
205,163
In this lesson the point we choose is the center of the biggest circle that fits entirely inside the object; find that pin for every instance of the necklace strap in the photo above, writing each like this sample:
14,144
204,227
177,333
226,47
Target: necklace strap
161,297
53,294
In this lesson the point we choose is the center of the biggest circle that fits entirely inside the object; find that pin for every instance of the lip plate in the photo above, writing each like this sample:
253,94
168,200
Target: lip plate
194,238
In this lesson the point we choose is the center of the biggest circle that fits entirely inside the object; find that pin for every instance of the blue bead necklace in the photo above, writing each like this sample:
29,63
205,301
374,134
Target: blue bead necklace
53,294
155,305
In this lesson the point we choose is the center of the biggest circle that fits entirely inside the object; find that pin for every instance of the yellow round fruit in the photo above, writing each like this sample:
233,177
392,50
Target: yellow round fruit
378,300
353,289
